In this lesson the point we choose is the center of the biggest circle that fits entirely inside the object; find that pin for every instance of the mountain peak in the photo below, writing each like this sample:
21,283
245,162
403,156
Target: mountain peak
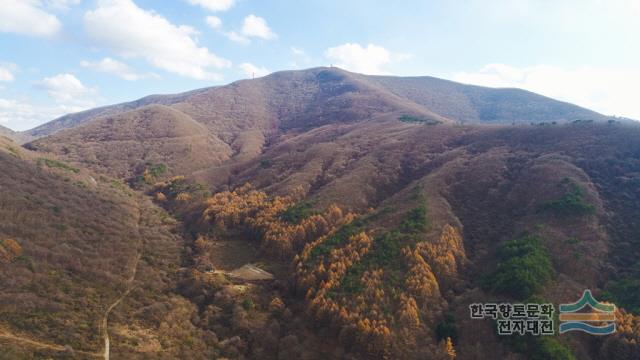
327,94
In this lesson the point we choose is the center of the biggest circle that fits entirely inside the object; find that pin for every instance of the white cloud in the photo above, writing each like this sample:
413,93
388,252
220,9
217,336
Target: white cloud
299,58
234,36
62,4
367,60
297,51
27,17
63,87
398,57
634,5
252,27
255,26
214,22
251,70
22,115
111,66
7,71
214,5
611,91
132,32
68,92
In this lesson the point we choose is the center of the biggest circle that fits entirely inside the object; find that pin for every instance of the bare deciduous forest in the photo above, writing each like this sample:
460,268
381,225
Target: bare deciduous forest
316,214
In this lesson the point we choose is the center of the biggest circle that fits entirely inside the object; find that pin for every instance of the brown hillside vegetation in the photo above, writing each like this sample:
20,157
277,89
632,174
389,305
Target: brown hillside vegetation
124,144
380,205
6,131
479,187
474,104
69,244
242,119
201,129
19,137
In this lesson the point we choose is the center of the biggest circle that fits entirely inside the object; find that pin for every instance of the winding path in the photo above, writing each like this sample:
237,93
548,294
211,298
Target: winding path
134,271
105,318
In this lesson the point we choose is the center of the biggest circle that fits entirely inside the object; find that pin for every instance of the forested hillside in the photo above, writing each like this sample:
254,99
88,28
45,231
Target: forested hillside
317,214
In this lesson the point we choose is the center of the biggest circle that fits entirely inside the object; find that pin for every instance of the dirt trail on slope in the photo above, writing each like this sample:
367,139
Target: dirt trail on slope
105,318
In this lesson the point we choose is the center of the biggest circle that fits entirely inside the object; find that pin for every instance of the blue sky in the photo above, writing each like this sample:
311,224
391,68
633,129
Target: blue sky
59,56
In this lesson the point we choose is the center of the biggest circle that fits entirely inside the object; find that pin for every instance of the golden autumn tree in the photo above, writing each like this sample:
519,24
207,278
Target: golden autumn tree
408,313
5,256
200,245
276,305
625,343
420,280
9,250
449,349
446,254
183,197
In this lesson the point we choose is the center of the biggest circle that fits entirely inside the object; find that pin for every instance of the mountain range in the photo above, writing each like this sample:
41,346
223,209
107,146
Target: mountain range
330,91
